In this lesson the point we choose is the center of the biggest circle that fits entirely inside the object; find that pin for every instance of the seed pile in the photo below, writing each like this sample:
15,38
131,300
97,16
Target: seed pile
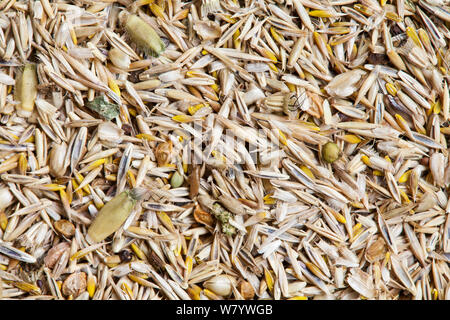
235,149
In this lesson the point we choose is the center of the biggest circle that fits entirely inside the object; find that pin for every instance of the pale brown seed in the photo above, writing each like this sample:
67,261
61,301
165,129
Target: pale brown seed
75,284
66,228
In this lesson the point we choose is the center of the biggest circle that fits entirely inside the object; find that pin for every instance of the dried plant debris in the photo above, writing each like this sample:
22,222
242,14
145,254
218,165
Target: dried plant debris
235,149
104,108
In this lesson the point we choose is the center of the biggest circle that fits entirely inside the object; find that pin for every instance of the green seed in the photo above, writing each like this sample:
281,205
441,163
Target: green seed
25,90
141,33
330,152
176,180
113,214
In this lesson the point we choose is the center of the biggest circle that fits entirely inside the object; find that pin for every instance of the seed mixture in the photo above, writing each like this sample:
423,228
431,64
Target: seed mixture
232,149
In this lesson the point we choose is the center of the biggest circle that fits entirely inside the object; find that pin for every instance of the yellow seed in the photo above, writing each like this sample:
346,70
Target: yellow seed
126,288
189,264
3,267
269,200
3,220
365,159
53,187
144,2
193,109
291,87
27,287
307,171
132,111
138,252
236,41
277,36
430,111
183,118
273,67
320,13
383,2
388,159
339,217
114,86
298,298
351,138
314,269
404,177
357,205
393,16
165,220
157,10
386,258
194,292
437,107
228,18
363,9
356,227
391,89
93,165
131,179
23,163
329,50
146,136
282,137
435,293
378,173
404,197
269,279
219,156
411,32
73,35
269,54
80,179
90,286
423,35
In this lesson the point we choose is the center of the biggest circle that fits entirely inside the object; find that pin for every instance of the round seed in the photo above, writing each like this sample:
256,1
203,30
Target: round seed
66,228
176,180
330,152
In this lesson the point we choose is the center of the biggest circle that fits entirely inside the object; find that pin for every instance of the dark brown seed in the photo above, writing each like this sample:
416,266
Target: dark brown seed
125,256
155,261
194,182
424,161
378,58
